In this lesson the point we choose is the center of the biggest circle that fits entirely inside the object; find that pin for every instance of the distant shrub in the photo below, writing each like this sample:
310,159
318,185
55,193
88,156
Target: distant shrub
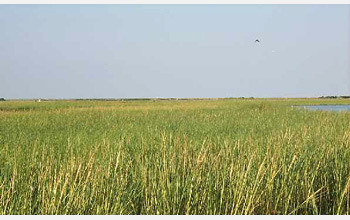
328,97
2,99
335,97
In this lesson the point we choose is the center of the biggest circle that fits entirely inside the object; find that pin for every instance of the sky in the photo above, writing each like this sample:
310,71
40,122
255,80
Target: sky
180,51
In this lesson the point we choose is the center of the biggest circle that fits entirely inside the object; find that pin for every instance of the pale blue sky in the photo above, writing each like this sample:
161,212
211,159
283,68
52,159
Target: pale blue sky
126,51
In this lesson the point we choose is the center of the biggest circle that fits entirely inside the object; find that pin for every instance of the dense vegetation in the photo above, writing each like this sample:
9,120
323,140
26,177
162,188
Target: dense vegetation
226,156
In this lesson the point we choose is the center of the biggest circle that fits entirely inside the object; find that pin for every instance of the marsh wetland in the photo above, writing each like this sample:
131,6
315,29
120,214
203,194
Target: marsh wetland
225,156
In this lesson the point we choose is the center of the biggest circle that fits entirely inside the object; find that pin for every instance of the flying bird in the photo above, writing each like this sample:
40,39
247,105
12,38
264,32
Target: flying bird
257,41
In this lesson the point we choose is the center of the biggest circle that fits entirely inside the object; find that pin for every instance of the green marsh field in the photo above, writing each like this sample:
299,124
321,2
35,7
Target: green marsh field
224,156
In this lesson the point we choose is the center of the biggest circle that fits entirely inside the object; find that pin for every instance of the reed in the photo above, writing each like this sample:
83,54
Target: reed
225,156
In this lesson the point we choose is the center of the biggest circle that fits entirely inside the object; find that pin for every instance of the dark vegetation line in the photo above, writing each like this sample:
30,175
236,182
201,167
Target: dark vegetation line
154,99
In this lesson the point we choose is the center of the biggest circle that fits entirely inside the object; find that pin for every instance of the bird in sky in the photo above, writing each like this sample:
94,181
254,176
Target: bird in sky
257,41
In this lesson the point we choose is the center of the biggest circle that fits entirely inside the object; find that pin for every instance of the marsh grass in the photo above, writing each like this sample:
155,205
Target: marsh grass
173,157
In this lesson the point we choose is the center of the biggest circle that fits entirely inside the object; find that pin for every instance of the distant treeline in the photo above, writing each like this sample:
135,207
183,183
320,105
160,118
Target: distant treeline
154,99
334,97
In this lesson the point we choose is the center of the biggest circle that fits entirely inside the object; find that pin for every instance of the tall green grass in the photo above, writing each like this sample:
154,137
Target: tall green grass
174,157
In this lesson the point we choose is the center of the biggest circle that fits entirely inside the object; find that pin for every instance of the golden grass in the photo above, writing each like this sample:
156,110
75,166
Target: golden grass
226,156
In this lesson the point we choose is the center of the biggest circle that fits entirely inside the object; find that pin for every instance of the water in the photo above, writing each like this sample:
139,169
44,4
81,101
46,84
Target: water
327,107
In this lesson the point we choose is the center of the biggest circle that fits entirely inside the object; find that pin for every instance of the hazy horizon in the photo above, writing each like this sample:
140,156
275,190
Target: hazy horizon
173,51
